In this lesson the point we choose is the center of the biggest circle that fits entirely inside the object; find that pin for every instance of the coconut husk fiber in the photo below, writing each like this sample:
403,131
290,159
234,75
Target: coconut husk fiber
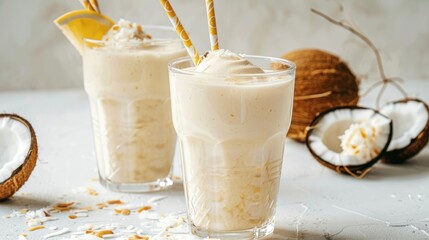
322,81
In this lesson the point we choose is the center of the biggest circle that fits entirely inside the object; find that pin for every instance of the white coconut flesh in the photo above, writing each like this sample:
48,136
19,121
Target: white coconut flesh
409,119
15,142
350,137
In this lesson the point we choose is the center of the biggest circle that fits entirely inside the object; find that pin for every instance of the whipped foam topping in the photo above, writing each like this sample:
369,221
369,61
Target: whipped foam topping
124,32
359,140
226,62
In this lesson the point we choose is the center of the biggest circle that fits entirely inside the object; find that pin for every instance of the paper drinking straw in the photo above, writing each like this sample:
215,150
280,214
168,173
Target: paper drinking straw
211,18
86,5
94,4
91,5
192,51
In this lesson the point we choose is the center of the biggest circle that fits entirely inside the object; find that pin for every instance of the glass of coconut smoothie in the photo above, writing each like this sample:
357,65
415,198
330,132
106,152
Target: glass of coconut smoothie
231,113
126,78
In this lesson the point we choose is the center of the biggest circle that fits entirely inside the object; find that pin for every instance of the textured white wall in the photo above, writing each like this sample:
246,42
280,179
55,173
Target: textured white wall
34,54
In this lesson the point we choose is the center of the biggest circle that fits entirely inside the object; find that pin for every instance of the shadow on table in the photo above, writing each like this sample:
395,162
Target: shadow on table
414,167
20,201
177,186
285,234
176,189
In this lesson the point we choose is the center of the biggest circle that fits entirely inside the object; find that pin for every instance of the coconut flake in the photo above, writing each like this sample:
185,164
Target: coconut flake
97,227
47,219
22,237
129,229
79,211
18,213
81,214
107,236
90,237
129,207
170,222
86,227
41,213
33,222
30,214
58,233
151,215
156,199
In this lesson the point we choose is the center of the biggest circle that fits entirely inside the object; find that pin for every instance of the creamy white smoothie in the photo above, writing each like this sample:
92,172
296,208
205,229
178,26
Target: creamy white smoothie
231,129
126,78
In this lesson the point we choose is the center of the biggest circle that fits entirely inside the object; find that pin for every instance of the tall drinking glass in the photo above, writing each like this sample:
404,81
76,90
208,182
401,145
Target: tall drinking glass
231,130
128,89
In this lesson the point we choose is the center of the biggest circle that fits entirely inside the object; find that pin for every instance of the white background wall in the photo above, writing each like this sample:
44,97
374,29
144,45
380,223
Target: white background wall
34,54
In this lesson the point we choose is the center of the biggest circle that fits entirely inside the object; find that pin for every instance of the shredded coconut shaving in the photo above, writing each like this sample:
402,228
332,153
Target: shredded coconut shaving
360,140
125,32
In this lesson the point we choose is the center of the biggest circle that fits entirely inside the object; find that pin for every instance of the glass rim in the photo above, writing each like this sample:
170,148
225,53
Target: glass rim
146,41
290,70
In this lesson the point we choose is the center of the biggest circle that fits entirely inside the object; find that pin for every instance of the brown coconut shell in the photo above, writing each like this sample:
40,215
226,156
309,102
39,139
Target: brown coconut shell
322,81
23,172
399,156
358,171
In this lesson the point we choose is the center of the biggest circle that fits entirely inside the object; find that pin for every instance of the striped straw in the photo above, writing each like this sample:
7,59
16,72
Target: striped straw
211,18
91,5
192,51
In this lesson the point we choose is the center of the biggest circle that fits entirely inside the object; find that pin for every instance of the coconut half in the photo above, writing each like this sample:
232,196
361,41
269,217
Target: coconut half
18,153
349,139
410,129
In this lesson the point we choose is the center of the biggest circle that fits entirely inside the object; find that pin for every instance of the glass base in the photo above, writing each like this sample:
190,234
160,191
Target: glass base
254,233
158,185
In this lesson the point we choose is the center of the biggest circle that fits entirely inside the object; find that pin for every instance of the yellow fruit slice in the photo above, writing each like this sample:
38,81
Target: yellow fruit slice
80,24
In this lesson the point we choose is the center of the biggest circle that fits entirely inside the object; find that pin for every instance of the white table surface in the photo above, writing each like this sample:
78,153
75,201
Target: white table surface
392,202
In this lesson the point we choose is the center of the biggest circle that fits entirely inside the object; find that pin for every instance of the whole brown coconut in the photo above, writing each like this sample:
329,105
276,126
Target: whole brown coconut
322,82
